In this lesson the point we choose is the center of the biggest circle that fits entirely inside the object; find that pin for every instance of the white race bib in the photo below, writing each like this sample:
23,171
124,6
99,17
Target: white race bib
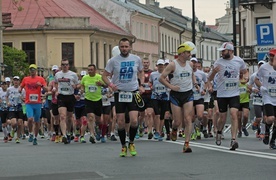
33,97
125,96
160,89
271,91
92,88
197,95
64,89
257,100
242,90
230,85
147,87
105,101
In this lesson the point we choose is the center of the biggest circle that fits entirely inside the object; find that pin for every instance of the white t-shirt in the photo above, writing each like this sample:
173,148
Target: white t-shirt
267,75
65,82
182,77
124,70
201,79
228,77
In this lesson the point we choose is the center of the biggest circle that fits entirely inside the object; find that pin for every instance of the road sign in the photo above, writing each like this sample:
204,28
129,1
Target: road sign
265,34
264,49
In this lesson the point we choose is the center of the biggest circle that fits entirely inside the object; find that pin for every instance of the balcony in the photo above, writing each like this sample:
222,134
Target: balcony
249,4
248,54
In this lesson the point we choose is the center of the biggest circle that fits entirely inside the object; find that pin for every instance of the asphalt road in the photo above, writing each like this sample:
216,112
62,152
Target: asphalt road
155,160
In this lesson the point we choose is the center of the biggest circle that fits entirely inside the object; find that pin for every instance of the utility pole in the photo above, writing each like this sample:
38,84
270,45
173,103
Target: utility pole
234,26
1,41
193,22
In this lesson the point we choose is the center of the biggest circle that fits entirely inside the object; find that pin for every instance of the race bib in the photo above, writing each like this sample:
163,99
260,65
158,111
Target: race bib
64,89
272,91
230,85
33,97
105,101
160,89
257,100
125,96
242,90
197,95
92,88
147,87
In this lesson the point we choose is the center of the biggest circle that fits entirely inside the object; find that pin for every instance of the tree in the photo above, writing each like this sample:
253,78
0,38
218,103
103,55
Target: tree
15,61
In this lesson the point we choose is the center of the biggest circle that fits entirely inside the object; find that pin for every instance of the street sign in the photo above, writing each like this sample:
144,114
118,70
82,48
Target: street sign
264,49
265,34
265,38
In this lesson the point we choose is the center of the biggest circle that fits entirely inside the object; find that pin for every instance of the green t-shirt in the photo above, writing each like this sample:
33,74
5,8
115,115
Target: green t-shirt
50,78
244,94
92,91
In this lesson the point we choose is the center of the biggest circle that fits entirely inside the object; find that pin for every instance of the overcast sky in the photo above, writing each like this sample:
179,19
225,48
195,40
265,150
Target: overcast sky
207,10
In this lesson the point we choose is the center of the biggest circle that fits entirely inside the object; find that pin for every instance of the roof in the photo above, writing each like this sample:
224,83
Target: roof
34,13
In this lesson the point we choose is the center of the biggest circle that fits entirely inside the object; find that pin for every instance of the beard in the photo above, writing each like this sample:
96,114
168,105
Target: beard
226,56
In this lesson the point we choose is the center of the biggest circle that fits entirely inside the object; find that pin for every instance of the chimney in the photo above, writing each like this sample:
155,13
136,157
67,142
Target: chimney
150,2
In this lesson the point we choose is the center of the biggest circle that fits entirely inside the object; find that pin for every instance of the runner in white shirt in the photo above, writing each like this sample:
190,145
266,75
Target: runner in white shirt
228,68
266,82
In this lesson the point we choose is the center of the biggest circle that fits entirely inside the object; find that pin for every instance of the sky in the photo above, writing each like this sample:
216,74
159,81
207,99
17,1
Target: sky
207,10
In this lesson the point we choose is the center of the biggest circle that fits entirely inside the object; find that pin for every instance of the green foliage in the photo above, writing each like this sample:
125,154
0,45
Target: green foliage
16,62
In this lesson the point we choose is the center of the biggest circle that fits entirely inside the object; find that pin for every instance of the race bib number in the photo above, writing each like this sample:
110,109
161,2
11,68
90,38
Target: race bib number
105,101
125,96
242,90
92,88
272,91
33,97
257,101
64,89
230,85
147,87
160,89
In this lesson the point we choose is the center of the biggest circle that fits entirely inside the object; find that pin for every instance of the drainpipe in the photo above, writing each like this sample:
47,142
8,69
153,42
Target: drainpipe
180,34
162,21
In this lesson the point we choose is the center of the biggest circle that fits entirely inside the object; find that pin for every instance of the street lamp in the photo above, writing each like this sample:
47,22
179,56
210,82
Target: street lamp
193,21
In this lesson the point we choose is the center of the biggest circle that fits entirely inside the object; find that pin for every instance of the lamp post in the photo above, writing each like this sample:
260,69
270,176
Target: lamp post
193,21
234,26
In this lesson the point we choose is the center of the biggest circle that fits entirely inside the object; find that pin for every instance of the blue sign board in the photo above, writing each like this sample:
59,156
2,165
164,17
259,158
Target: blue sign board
265,36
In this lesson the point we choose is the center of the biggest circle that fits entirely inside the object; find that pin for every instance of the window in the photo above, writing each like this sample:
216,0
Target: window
29,48
172,47
92,52
155,34
165,43
263,20
137,29
110,51
212,53
202,52
162,42
68,53
152,33
244,32
8,44
169,44
216,50
141,31
207,52
97,54
146,31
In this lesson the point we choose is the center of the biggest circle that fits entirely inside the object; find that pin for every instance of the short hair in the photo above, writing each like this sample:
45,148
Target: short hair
65,59
93,65
125,40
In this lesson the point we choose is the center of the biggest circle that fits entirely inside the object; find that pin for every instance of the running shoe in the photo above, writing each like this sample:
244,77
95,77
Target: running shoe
77,132
266,138
65,140
150,135
218,139
34,141
156,135
132,149
76,139
255,126
137,136
123,152
210,135
186,148
141,132
174,135
113,138
17,141
272,144
245,132
6,139
180,133
183,135
205,134
92,140
57,139
82,140
31,138
53,138
234,145
198,134
103,140
168,137
24,136
160,138
239,134
42,136
98,137
146,130
162,134
193,136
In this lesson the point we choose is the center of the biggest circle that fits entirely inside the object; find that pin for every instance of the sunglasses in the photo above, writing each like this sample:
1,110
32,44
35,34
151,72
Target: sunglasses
64,64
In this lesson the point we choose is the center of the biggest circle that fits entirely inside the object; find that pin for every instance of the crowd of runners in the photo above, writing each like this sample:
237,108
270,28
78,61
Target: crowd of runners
128,100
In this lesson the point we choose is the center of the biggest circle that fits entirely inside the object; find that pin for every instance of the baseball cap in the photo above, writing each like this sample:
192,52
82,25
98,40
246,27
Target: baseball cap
115,51
3,82
167,61
226,45
261,62
54,67
194,59
16,77
32,66
272,51
7,79
160,61
83,73
186,46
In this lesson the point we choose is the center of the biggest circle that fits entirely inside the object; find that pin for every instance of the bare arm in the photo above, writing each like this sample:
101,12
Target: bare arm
258,82
107,81
162,79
